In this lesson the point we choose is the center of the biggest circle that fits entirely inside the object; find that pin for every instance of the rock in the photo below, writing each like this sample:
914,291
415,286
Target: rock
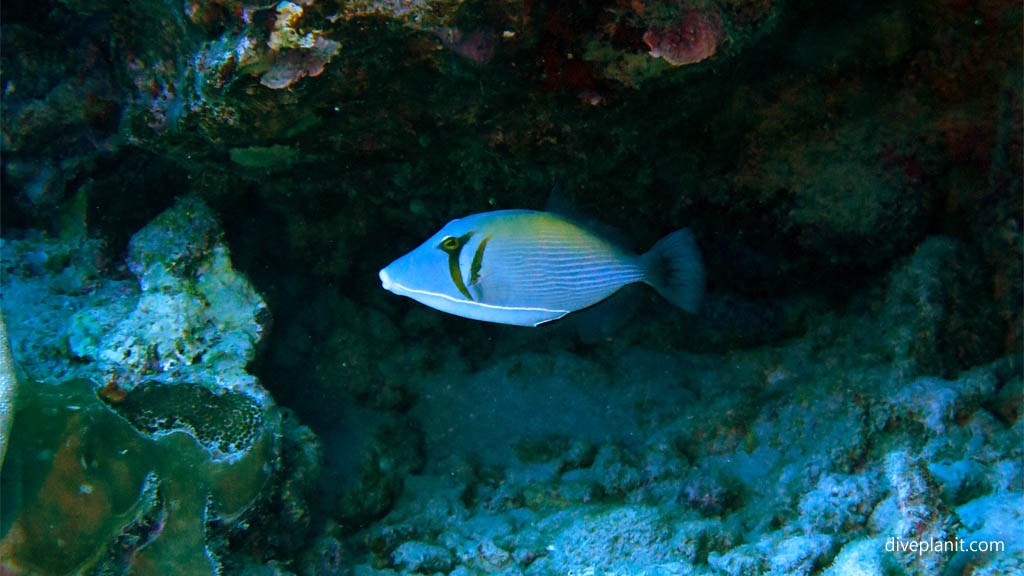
422,558
996,517
696,540
1009,402
922,516
626,538
327,557
193,319
614,469
801,555
175,245
383,456
195,314
740,560
776,554
960,481
838,504
179,345
863,557
929,328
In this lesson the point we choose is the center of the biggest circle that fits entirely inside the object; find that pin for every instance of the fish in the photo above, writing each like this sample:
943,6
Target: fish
527,267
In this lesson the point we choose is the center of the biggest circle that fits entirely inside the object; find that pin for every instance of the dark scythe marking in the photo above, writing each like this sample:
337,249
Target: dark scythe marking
453,247
478,261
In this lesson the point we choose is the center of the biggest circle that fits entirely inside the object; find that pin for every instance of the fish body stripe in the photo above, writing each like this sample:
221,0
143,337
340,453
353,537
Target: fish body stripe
552,263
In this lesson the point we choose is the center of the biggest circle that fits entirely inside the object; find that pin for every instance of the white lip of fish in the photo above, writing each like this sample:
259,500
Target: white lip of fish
395,288
385,280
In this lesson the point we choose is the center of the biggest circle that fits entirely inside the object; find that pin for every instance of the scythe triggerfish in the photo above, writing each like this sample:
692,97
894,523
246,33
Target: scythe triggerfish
525,268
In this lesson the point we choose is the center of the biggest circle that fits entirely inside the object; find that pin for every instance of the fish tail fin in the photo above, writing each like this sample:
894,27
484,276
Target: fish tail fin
674,268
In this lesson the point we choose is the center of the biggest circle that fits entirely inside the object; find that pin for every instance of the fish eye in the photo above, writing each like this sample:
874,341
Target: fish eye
448,244
453,245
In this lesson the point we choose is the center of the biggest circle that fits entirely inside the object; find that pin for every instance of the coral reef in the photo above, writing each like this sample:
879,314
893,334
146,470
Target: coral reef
773,474
114,501
920,513
295,55
694,38
108,498
225,424
144,445
190,317
850,390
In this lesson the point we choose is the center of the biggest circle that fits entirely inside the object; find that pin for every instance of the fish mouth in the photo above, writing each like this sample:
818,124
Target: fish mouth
385,280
